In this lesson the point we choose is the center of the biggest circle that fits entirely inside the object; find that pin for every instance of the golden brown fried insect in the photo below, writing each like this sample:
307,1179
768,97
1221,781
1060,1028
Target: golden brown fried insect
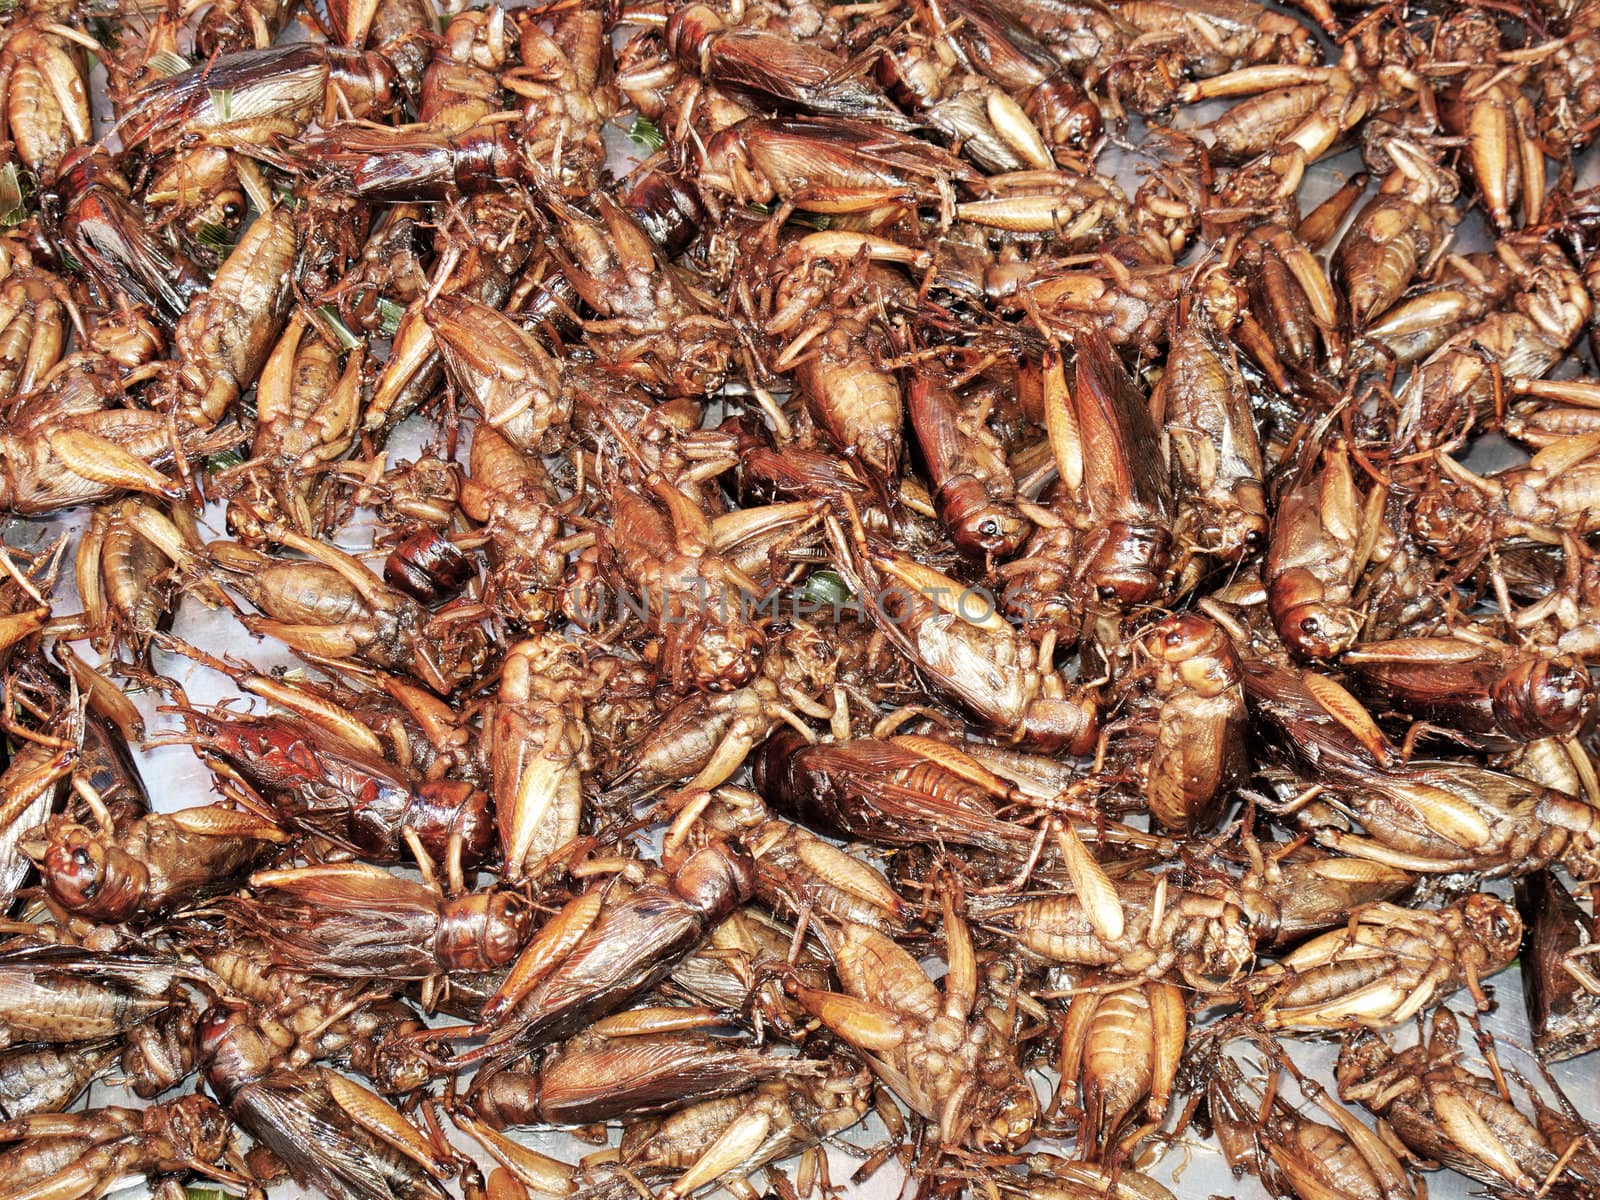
1387,966
1120,1052
1294,1155
1442,1112
142,866
353,920
951,1062
78,1156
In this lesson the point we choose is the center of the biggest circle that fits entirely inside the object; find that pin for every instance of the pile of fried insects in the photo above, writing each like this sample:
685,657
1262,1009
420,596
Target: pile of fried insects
880,617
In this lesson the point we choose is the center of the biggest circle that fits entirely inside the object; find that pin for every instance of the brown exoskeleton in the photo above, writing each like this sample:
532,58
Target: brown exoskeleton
733,968
308,410
329,1131
1559,983
566,92
1210,437
1457,389
510,492
127,569
694,597
971,481
882,791
1291,890
1387,966
1463,290
483,252
248,100
651,325
635,1064
538,745
44,99
60,994
1322,539
799,873
1051,1177
324,785
951,1062
310,1017
849,166
79,1156
795,73
606,946
1106,538
1421,815
1292,327
706,737
950,92
34,322
44,1079
1397,234
222,342
958,640
1187,710
1287,107
1480,689
1120,1051
351,919
723,1141
144,864
1444,1113
1133,930
511,379
1487,107
334,606
1294,1155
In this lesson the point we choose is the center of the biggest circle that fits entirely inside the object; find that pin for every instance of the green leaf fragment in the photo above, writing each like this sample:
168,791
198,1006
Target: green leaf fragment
826,589
222,103
215,237
389,314
643,132
340,330
223,460
13,205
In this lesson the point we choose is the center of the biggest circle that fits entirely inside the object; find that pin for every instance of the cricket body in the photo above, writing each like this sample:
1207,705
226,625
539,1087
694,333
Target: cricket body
145,865
950,1062
603,948
1195,700
1120,1052
1387,966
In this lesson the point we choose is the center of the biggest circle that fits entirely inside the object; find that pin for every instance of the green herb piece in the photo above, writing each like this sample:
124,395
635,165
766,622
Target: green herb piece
215,237
389,314
222,102
643,132
13,205
223,460
826,589
340,330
